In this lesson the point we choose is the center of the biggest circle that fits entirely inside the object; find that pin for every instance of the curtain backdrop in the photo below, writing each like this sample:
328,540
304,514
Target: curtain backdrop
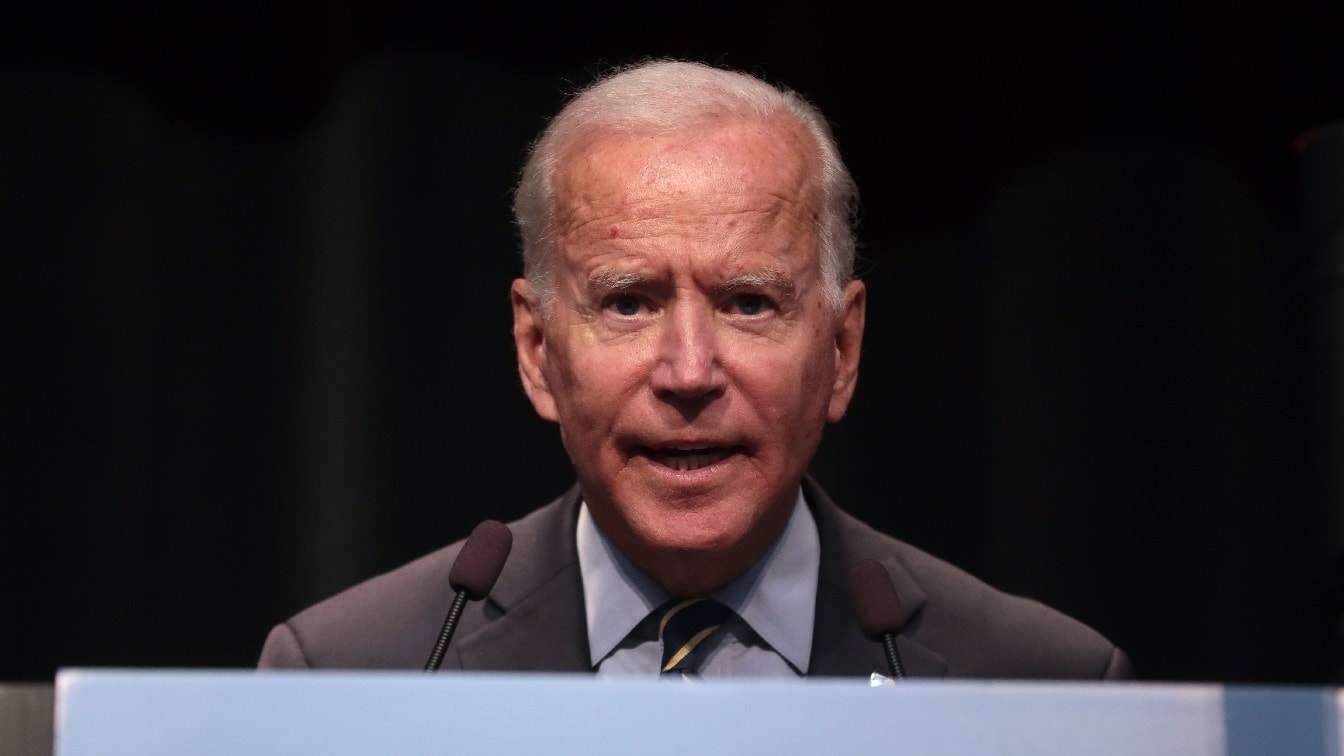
259,347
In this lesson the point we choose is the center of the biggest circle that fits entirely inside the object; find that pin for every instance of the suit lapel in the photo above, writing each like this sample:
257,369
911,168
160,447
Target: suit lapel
534,619
839,647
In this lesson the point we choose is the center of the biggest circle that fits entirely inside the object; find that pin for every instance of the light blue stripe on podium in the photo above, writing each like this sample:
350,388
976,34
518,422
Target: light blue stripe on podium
186,712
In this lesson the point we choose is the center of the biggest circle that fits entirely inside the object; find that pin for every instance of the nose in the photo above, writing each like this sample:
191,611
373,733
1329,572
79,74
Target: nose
688,361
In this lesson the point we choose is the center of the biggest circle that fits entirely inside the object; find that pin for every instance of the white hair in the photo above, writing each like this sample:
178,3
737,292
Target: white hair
664,97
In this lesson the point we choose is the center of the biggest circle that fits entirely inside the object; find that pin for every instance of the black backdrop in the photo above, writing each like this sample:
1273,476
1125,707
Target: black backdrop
255,270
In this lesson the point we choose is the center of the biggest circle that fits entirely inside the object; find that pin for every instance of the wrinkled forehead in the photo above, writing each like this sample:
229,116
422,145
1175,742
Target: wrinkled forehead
719,161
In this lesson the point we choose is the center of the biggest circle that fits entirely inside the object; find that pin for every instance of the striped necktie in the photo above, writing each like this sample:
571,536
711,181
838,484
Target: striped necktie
684,628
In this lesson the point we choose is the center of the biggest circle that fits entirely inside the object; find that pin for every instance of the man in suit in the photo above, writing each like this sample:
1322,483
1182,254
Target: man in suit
688,316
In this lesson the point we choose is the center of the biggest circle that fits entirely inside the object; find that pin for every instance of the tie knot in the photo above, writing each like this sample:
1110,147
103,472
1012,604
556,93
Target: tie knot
683,628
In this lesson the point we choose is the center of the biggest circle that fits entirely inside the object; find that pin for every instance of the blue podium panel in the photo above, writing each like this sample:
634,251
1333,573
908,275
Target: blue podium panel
184,712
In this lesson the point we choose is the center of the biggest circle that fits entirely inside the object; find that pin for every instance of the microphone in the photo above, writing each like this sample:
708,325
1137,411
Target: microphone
473,574
878,608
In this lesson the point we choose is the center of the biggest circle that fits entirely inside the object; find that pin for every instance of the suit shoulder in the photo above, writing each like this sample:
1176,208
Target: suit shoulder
985,632
976,629
386,622
391,621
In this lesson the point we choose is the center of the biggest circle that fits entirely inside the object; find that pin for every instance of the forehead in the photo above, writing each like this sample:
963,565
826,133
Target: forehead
719,167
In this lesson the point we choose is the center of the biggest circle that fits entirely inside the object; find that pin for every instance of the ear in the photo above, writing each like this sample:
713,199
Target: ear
529,338
848,340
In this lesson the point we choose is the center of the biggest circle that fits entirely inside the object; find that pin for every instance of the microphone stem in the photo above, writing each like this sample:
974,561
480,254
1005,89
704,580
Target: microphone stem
893,659
446,634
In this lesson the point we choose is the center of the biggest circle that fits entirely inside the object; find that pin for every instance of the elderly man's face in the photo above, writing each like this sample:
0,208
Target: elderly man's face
691,357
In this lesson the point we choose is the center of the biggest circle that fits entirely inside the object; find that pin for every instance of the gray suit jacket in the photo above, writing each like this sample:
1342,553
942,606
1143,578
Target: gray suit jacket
534,620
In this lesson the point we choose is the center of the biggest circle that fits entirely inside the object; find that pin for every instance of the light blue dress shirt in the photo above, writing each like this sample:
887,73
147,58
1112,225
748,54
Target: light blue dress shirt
774,602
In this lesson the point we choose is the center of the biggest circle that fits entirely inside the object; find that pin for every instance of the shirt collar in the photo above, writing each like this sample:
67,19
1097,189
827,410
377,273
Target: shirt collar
617,595
776,596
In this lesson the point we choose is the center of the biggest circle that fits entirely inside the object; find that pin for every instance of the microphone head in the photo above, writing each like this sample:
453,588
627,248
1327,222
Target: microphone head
875,600
481,559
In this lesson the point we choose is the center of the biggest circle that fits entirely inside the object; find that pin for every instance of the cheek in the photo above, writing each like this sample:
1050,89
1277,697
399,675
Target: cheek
785,387
800,383
595,382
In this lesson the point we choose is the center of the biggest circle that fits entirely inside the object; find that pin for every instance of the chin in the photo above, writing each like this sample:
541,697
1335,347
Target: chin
694,532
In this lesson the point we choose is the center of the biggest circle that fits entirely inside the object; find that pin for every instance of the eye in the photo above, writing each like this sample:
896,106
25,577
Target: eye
749,304
625,305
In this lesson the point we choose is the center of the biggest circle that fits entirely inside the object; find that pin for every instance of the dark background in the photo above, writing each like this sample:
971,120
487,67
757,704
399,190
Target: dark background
257,341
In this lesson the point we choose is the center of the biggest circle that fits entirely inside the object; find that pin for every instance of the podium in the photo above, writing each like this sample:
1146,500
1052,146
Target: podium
235,712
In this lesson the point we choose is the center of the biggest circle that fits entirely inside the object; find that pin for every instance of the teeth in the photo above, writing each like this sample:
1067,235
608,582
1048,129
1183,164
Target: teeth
683,462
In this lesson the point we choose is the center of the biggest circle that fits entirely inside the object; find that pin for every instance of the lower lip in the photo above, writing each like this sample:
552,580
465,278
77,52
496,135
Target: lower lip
700,472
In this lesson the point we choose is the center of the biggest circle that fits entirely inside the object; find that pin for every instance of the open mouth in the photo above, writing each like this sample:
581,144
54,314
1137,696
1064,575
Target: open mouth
687,458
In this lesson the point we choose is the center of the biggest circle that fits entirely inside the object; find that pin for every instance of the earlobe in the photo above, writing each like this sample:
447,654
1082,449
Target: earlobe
848,343
529,338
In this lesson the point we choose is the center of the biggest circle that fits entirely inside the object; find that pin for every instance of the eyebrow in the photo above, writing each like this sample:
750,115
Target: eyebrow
615,280
608,280
765,278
